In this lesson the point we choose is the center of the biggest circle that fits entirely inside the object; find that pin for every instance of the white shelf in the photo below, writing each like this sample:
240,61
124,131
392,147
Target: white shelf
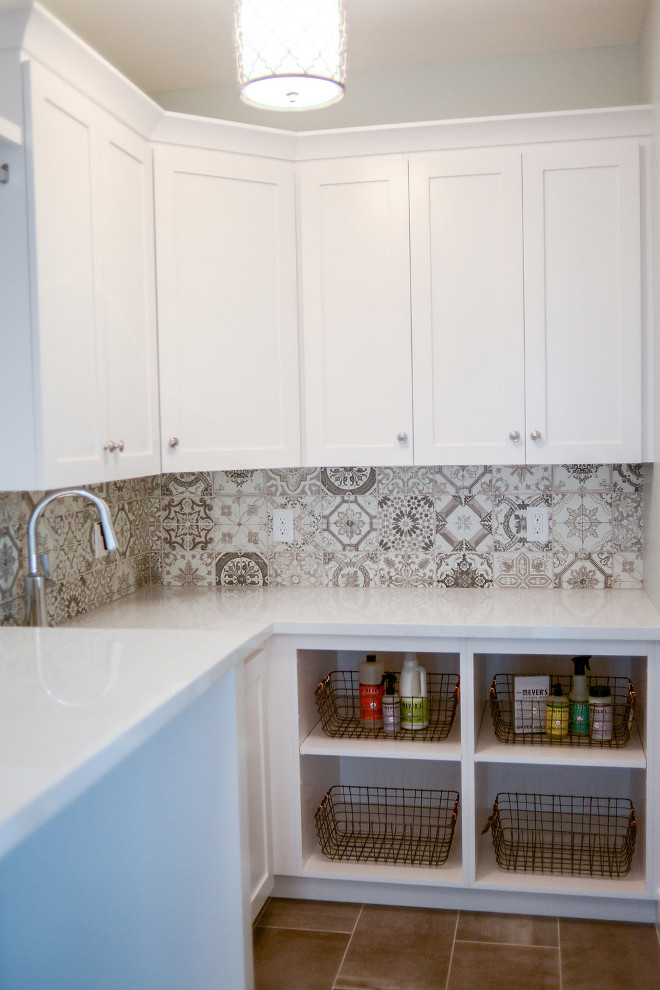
318,743
492,877
10,134
451,874
490,750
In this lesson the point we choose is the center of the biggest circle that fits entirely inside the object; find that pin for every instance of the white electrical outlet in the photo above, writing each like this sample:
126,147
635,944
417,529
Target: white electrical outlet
537,523
283,525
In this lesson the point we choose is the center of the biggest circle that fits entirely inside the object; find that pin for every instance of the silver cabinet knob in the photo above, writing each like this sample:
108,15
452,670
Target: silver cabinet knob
402,437
173,442
536,436
514,436
120,446
110,446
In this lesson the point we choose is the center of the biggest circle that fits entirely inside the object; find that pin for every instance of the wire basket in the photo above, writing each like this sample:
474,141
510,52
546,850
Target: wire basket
387,824
504,708
338,703
548,833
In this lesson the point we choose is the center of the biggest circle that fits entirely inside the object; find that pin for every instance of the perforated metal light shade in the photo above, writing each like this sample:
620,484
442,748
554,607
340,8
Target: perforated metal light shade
291,54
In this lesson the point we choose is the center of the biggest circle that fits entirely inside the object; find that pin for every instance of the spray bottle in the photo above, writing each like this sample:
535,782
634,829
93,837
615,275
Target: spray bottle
579,699
391,705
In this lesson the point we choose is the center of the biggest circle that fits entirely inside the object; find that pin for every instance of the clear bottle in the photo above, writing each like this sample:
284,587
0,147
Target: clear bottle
556,714
601,713
579,699
391,705
371,692
414,695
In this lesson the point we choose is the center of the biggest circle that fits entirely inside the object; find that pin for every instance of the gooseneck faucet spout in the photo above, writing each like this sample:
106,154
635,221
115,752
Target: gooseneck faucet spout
35,583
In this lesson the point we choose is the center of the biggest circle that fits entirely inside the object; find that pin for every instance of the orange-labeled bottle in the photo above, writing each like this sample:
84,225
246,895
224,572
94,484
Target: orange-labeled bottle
371,692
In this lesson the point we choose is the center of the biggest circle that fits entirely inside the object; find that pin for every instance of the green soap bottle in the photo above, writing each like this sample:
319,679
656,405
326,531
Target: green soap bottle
579,699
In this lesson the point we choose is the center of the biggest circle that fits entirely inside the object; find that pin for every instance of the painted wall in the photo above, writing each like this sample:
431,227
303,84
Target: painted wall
649,52
581,79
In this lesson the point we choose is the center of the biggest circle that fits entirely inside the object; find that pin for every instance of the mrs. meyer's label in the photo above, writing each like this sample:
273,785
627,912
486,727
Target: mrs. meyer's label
530,694
371,703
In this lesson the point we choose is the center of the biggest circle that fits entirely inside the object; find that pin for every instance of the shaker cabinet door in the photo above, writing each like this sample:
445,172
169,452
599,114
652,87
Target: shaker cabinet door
583,302
355,295
467,307
228,336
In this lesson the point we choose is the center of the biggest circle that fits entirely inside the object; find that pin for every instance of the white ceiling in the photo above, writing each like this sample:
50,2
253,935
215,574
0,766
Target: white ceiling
176,44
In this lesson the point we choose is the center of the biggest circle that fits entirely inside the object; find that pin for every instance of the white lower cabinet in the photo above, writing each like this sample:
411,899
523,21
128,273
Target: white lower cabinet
576,820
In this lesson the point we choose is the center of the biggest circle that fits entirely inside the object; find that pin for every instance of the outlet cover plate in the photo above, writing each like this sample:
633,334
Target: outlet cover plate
283,525
537,523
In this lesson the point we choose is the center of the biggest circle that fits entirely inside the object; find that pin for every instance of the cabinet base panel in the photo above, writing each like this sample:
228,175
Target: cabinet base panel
468,899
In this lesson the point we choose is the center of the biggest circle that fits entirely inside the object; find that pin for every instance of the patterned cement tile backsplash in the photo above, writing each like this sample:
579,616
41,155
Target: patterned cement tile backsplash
450,526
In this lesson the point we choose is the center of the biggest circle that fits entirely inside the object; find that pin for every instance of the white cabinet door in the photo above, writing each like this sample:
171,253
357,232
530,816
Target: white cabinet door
63,167
228,336
129,359
467,307
255,722
583,302
90,375
355,292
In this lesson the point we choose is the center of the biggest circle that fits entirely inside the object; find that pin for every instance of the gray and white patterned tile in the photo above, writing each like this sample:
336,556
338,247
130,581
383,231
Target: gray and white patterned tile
351,570
522,569
582,477
522,478
464,523
295,566
187,522
10,558
293,484
464,570
628,478
407,569
463,479
12,612
344,481
405,481
582,522
350,523
509,522
406,523
241,569
628,517
238,482
193,567
582,569
155,525
196,484
241,523
628,570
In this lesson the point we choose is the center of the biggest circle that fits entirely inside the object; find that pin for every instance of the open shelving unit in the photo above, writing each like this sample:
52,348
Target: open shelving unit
472,761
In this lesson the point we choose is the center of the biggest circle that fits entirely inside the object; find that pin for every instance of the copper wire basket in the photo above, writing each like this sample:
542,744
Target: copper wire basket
503,709
372,824
338,704
549,833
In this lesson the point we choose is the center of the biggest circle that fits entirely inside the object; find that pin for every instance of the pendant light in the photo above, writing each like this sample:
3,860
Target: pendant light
291,54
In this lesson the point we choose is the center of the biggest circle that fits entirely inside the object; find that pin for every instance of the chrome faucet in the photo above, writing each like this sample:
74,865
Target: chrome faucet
35,582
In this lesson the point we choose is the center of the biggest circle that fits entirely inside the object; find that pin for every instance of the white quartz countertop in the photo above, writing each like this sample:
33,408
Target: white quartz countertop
76,700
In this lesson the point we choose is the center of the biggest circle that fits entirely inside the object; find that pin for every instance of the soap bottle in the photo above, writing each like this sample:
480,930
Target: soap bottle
371,692
600,713
391,705
579,699
556,714
414,696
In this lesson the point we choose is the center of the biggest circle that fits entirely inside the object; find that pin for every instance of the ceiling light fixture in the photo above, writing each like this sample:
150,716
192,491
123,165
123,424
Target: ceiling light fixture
291,54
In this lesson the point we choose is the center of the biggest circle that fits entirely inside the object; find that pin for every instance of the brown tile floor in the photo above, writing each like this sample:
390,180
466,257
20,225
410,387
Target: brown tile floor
320,945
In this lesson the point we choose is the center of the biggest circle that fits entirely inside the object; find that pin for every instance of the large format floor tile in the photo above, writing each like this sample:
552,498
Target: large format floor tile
286,959
318,916
608,955
514,929
484,966
399,949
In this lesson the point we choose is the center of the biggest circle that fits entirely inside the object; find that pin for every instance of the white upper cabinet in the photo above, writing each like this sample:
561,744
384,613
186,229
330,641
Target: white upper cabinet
227,310
467,307
87,381
355,295
526,304
583,302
